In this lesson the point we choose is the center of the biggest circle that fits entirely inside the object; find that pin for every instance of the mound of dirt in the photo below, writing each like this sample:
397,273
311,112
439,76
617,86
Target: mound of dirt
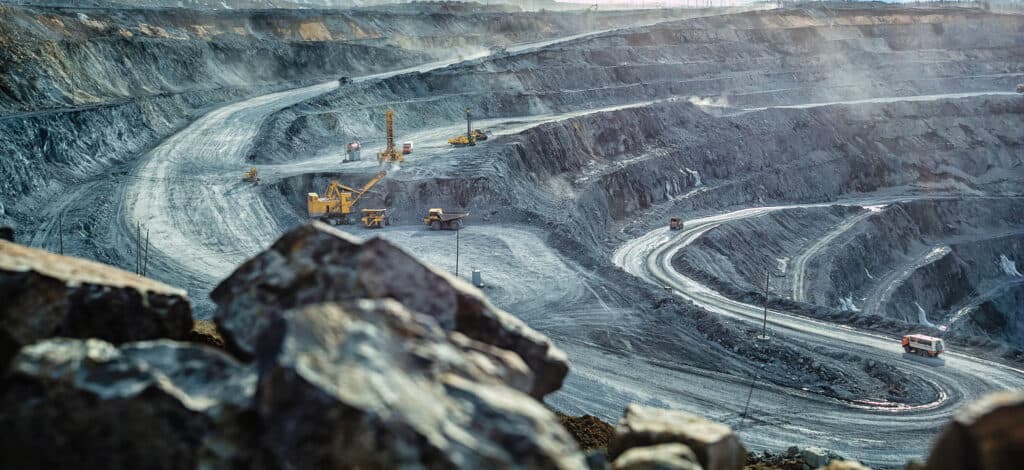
589,431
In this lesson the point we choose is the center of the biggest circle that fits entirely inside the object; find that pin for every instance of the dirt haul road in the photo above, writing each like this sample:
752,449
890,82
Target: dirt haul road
879,433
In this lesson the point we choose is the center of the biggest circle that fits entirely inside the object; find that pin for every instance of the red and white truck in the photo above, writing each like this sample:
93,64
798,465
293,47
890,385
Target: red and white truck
923,345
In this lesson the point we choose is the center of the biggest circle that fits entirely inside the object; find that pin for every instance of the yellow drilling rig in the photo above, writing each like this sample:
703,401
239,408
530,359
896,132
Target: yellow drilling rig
471,137
338,201
390,154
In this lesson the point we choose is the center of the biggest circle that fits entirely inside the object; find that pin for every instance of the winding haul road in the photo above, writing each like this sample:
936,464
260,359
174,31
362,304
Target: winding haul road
800,262
885,433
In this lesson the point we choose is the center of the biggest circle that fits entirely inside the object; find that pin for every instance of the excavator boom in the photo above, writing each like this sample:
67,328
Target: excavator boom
370,184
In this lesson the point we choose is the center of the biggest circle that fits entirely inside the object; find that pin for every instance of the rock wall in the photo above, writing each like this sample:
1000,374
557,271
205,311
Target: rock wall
731,59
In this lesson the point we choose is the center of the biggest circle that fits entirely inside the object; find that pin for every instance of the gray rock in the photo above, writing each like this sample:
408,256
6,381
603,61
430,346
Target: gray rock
815,456
70,403
369,384
844,465
672,456
984,435
47,295
315,263
716,446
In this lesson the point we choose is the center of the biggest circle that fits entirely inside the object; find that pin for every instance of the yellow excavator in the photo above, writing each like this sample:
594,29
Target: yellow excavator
390,154
338,201
471,137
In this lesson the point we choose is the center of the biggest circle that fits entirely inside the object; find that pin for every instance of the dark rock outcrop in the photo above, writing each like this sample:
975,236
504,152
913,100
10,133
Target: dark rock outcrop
716,446
369,384
985,435
70,403
47,295
315,263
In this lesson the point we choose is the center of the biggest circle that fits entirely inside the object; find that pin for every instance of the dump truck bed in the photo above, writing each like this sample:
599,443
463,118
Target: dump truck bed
447,216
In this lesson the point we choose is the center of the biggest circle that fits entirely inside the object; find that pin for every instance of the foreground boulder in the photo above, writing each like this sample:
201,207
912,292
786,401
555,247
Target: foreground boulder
369,384
47,295
71,403
716,446
673,456
315,263
985,435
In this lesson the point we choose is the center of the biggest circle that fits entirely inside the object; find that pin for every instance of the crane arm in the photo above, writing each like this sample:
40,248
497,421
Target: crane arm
370,184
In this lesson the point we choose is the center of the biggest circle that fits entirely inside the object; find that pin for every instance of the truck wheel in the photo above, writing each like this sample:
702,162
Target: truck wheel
906,349
435,225
456,225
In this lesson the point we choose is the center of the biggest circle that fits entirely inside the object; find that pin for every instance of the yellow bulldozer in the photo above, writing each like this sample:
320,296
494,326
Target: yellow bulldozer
338,201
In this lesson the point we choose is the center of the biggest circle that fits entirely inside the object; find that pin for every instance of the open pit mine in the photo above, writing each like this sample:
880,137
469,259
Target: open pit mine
346,234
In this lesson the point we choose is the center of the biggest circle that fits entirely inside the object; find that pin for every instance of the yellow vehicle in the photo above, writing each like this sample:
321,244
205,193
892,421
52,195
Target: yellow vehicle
251,176
462,141
390,154
375,218
338,201
471,137
438,219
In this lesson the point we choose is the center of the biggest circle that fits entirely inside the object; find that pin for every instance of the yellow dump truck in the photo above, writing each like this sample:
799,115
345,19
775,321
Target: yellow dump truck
375,218
438,219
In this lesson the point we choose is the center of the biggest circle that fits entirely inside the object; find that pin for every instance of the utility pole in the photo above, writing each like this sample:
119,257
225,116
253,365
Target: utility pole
764,325
145,262
60,233
743,417
138,248
457,252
